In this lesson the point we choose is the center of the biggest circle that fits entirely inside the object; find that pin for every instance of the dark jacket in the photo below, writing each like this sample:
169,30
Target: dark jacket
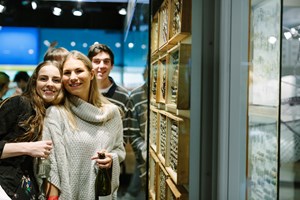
15,110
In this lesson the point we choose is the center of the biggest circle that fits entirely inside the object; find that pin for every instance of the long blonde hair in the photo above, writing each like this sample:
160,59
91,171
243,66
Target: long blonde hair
95,97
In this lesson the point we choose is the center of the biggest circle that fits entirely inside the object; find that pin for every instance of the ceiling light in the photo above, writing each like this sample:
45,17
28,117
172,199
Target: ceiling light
272,39
77,12
2,8
57,11
122,11
130,45
33,5
287,35
294,31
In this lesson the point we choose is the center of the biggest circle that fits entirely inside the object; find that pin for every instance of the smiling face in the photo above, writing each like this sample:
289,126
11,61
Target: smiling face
48,83
102,66
77,78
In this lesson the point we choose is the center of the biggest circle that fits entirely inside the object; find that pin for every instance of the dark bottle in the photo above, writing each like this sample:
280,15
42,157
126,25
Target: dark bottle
103,183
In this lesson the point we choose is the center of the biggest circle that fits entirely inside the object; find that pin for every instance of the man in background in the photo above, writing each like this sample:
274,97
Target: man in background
21,78
102,59
138,107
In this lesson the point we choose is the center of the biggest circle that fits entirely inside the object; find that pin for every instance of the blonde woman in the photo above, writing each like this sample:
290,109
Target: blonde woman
84,126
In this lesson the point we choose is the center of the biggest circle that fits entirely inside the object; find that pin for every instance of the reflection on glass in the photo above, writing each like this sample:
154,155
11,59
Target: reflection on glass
263,99
289,187
262,158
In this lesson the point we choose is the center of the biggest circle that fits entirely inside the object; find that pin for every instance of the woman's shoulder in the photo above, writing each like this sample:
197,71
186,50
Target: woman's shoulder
12,99
113,109
17,101
53,110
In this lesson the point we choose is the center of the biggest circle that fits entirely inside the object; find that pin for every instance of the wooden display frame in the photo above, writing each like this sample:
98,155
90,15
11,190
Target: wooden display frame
154,171
174,22
178,78
154,34
162,79
169,115
153,80
180,24
162,145
158,80
173,147
176,192
178,143
153,137
162,182
164,25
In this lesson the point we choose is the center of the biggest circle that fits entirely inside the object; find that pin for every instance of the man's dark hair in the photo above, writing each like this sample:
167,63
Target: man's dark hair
97,48
21,75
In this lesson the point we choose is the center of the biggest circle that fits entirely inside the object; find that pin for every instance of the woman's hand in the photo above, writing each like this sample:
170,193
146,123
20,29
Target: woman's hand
39,149
103,163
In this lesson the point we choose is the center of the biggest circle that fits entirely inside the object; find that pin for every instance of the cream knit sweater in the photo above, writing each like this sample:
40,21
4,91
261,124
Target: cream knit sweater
72,170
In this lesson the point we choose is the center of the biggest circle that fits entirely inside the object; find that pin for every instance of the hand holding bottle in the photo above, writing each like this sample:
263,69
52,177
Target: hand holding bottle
103,179
103,163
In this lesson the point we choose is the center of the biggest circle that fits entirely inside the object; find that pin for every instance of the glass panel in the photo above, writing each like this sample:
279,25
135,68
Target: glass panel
290,112
263,99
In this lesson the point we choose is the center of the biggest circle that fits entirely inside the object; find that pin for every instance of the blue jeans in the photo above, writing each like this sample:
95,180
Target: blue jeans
135,184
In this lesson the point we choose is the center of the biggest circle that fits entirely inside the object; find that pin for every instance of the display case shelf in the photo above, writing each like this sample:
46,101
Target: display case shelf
153,128
180,24
162,182
154,171
161,79
174,23
153,83
170,100
163,137
158,80
154,34
170,79
164,24
178,78
173,145
176,192
177,158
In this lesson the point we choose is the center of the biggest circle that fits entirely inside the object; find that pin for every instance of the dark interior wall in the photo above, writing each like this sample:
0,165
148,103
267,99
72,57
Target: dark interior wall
96,15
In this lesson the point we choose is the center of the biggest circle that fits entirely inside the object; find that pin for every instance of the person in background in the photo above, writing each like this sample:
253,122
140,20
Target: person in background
137,106
84,126
21,78
4,82
56,53
103,60
21,122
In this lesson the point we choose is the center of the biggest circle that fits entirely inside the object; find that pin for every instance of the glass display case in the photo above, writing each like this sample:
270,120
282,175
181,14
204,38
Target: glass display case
263,99
273,151
289,176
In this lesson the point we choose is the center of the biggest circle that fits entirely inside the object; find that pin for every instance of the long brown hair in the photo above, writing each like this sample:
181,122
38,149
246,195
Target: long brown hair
34,124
